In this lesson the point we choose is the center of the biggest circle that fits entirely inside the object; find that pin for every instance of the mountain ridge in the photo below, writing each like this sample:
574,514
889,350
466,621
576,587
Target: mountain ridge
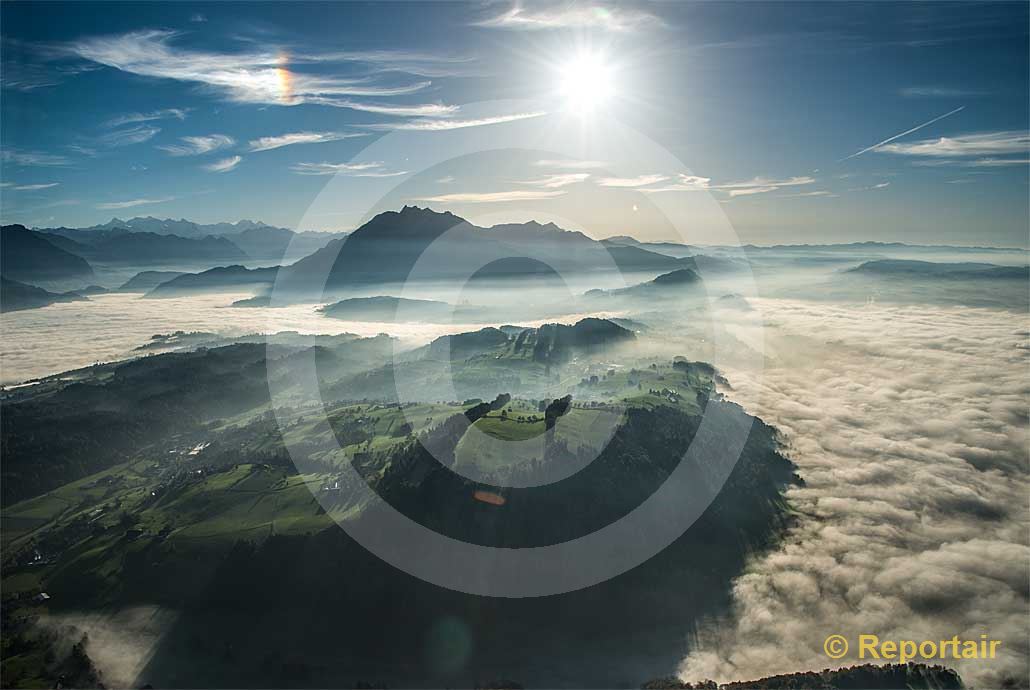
29,257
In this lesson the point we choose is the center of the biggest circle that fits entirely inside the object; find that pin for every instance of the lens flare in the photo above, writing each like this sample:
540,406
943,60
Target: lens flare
586,83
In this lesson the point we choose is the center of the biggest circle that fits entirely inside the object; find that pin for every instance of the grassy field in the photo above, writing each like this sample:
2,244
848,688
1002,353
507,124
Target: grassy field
171,503
496,443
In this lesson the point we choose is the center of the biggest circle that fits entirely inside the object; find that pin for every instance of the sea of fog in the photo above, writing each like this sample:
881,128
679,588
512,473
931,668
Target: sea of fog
108,327
909,426
905,410
66,336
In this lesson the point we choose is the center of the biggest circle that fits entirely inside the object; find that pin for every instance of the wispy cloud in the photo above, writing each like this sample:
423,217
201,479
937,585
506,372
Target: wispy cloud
447,179
19,76
280,140
570,164
134,118
879,185
906,132
982,144
997,162
269,77
224,165
756,185
128,137
638,181
369,169
492,197
751,190
443,125
196,146
82,149
131,203
30,68
761,185
556,181
32,158
939,92
408,62
380,173
34,187
801,195
571,16
683,183
419,110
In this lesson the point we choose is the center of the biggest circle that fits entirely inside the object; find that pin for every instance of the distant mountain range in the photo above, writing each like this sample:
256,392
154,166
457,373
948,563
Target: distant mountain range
69,257
900,268
245,239
393,247
181,227
144,248
419,243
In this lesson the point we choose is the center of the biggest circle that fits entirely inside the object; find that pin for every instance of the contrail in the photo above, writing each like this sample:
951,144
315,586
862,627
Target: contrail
907,131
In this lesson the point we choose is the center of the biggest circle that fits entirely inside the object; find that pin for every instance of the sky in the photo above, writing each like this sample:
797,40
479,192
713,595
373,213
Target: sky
771,123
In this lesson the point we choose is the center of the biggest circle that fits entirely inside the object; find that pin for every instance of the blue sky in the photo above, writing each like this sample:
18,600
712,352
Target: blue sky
782,117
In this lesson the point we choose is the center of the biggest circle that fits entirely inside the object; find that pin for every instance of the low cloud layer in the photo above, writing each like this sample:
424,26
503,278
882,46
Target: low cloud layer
909,427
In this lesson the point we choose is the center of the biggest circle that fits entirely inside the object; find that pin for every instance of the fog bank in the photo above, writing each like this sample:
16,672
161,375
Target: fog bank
909,427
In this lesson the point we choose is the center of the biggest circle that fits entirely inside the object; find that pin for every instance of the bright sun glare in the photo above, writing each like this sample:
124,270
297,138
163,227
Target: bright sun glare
586,83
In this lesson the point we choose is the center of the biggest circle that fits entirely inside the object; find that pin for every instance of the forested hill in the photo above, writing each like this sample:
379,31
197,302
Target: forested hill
866,677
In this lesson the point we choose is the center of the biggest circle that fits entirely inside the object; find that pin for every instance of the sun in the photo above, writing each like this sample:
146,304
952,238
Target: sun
586,83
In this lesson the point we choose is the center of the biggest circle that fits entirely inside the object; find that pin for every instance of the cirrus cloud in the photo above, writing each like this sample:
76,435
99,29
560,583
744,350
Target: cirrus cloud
444,125
198,145
269,77
980,144
571,16
556,181
128,137
224,165
134,118
32,158
132,203
293,138
34,187
366,169
638,181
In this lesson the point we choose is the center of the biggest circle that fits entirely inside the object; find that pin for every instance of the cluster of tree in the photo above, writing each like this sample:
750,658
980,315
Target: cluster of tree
864,677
